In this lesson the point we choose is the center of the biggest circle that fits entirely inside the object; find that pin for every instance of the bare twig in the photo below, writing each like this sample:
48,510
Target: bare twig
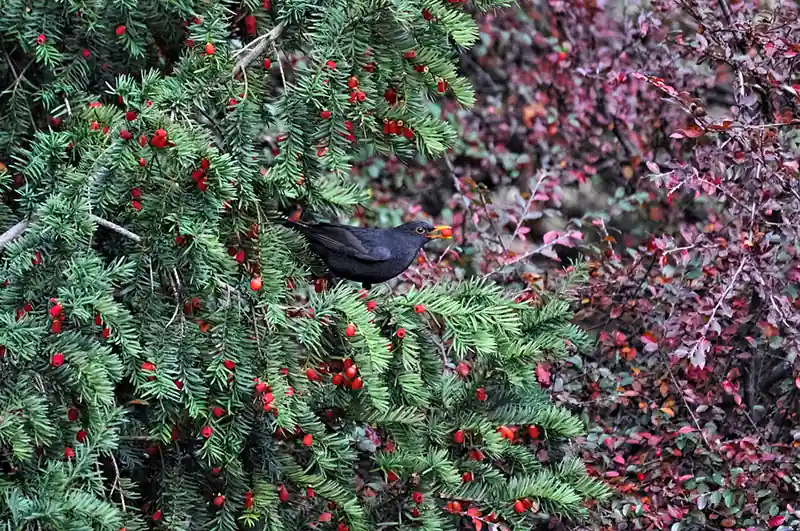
116,483
280,64
116,228
259,46
528,204
686,405
16,231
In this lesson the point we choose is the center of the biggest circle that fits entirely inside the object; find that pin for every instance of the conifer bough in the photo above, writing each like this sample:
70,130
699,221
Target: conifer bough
163,365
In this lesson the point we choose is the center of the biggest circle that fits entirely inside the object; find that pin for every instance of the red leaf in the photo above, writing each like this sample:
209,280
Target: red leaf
775,521
551,236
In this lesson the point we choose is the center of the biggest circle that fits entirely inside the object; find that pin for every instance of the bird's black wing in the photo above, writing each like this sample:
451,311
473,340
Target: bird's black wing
345,240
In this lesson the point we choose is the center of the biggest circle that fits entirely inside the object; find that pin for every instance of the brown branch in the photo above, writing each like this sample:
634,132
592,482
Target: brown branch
260,45
16,231
13,233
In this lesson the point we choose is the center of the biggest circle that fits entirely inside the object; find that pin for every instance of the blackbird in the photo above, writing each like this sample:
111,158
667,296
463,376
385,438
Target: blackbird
369,256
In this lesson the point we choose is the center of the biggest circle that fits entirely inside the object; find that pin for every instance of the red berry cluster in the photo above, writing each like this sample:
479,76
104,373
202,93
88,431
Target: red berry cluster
199,175
56,314
396,127
348,377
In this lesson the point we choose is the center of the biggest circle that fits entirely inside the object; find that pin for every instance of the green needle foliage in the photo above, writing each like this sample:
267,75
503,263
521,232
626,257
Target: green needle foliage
161,364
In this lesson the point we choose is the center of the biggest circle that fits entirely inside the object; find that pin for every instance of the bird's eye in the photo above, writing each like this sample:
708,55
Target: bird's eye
420,230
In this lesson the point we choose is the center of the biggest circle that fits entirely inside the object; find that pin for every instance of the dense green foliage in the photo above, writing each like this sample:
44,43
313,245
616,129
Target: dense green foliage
163,364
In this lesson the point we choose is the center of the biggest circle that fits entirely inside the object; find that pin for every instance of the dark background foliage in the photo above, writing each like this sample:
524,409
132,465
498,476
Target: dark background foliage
658,143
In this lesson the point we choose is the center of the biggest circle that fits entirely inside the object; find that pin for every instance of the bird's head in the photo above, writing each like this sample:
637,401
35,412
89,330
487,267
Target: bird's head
425,231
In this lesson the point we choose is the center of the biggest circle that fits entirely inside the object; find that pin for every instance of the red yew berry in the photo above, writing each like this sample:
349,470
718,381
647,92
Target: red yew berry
401,333
98,320
506,432
310,492
331,65
419,308
136,205
261,387
342,527
157,515
337,379
421,68
361,96
427,15
458,437
325,115
350,331
283,494
120,31
81,436
250,24
371,305
136,193
480,394
519,507
55,327
219,501
313,375
131,116
369,67
351,372
41,39
267,63
178,384
207,431
255,283
69,453
454,507
357,384
57,359
476,455
411,54
72,414
142,141
125,134
239,256
391,477
159,139
462,369
533,432
210,48
217,411
418,497
149,367
308,440
229,364
467,477
56,311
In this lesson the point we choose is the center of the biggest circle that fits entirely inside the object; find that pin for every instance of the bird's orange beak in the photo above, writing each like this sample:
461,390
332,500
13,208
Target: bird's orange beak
440,232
